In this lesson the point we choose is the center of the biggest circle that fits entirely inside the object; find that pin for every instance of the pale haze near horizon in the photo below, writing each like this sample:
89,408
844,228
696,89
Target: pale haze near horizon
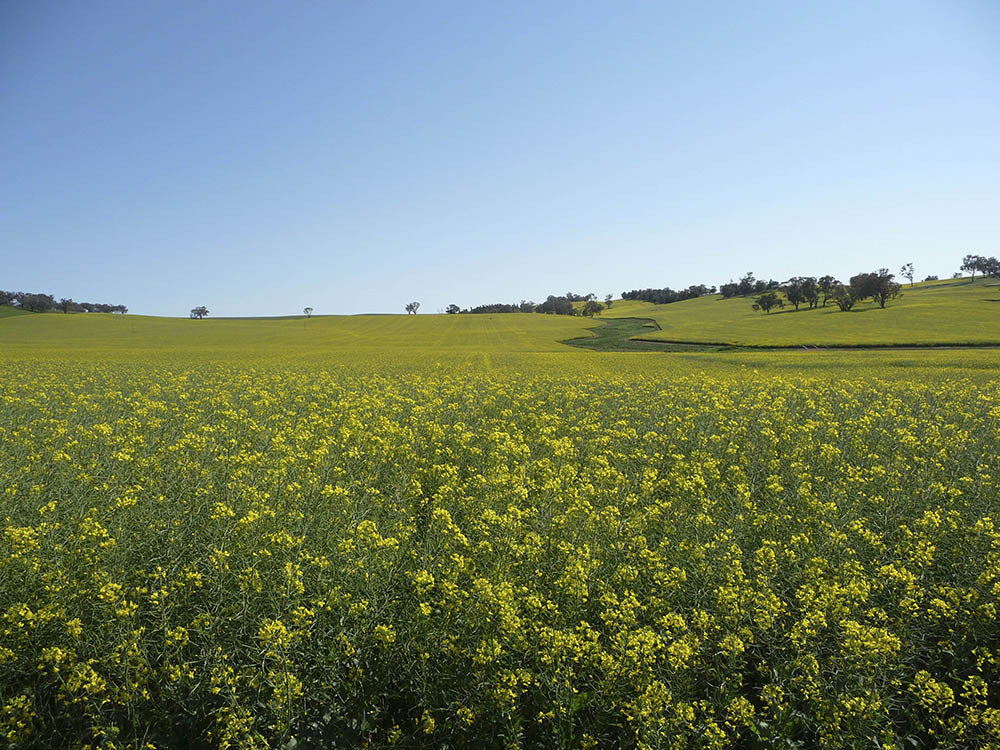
257,158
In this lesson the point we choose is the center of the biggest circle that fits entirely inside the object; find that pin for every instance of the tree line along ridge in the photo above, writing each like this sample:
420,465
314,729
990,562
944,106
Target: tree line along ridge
38,302
878,286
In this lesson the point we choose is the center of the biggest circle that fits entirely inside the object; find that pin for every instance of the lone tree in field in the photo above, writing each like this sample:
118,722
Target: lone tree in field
608,299
767,302
907,272
592,307
453,309
307,311
412,307
199,312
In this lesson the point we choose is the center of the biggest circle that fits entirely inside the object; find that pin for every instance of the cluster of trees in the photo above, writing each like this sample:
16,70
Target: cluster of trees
553,305
496,307
746,286
986,266
36,302
877,286
667,295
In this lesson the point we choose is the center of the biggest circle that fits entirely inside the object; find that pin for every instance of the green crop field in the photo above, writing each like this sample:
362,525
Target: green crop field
456,531
290,338
933,313
7,311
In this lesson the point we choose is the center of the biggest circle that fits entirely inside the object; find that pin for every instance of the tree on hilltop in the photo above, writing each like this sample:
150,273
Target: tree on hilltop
907,272
972,263
412,307
35,302
453,309
199,312
592,307
307,311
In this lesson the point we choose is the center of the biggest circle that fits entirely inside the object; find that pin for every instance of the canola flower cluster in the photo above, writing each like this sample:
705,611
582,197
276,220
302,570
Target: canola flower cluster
233,557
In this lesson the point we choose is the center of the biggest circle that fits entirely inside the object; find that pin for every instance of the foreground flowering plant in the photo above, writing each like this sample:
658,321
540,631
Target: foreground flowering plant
255,557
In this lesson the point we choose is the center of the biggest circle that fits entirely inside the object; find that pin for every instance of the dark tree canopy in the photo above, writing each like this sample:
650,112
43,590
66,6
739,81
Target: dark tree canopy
877,286
971,263
844,296
496,307
666,295
826,286
199,312
767,302
985,266
557,306
746,286
35,302
801,289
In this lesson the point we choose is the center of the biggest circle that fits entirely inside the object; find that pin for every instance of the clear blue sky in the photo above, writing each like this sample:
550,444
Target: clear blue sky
353,156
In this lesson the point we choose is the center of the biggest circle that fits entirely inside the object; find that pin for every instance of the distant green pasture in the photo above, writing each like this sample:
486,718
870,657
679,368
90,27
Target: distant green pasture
935,313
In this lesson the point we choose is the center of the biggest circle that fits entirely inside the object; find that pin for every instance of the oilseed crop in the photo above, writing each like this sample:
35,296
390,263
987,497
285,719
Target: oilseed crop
289,534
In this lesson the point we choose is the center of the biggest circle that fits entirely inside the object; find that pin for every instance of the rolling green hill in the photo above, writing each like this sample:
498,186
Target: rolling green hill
934,313
948,313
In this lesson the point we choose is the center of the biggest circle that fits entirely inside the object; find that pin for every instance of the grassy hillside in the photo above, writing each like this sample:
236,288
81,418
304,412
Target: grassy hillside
6,311
949,312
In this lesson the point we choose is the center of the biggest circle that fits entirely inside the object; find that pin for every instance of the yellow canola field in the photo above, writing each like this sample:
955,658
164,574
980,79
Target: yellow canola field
566,549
